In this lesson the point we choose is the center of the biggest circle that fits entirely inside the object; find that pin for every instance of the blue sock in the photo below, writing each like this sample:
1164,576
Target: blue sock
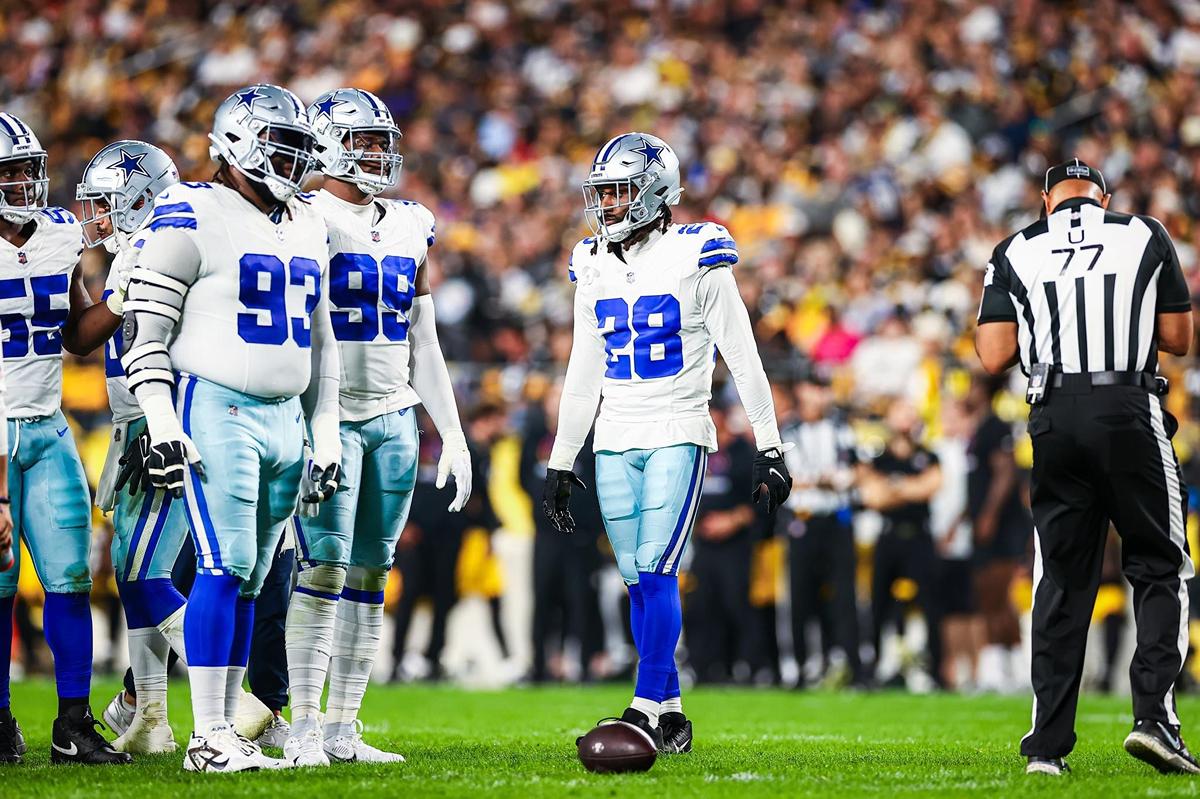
67,619
6,628
207,631
660,633
148,602
672,683
243,627
637,614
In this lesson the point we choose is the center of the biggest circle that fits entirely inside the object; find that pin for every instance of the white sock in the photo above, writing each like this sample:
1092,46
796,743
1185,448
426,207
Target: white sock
208,696
647,706
148,660
355,643
172,629
233,691
309,641
672,705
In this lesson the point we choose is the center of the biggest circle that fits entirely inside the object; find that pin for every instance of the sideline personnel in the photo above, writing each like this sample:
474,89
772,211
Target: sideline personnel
1084,300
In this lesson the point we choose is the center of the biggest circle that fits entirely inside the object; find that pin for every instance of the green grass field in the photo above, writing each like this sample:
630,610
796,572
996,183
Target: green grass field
520,742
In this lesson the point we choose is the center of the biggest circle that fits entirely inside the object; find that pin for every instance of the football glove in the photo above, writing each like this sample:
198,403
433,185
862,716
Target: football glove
556,499
456,462
167,463
320,481
771,473
133,466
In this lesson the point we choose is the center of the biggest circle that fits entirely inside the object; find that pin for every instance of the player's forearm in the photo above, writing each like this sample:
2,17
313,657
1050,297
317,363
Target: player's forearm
430,376
729,323
86,331
320,401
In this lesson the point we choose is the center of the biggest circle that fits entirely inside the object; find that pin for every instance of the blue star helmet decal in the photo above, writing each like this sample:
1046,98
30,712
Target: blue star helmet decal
247,98
652,154
131,164
326,106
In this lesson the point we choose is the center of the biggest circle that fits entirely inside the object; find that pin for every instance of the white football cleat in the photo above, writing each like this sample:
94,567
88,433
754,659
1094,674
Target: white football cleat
253,718
306,749
218,751
149,733
275,734
118,715
264,760
353,749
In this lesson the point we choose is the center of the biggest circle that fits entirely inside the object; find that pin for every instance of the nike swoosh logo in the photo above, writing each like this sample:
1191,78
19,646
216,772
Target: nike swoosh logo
775,472
63,432
74,750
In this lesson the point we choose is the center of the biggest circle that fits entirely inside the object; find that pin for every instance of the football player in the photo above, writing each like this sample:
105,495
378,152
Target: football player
44,307
382,314
116,192
228,434
651,300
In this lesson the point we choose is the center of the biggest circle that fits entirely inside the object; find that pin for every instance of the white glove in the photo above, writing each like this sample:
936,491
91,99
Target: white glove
319,482
124,263
170,451
456,461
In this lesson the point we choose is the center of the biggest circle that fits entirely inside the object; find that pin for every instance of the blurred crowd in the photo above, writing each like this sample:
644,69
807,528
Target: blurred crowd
866,156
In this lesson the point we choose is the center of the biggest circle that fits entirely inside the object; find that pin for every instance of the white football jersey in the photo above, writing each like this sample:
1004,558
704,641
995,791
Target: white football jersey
659,353
245,322
375,251
124,406
35,289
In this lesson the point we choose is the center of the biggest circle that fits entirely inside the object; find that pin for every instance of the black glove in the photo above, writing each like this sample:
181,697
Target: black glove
321,484
133,466
167,465
771,472
556,499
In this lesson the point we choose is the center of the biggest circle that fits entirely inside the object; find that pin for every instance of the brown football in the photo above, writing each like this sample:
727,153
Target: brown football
616,747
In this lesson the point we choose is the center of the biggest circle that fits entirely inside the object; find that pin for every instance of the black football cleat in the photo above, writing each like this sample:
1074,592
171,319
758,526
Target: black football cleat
639,719
1161,746
12,743
676,732
1054,766
76,740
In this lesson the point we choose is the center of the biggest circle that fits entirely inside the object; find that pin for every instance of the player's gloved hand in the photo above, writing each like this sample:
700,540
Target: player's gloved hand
171,450
771,473
133,466
556,498
320,481
123,264
455,462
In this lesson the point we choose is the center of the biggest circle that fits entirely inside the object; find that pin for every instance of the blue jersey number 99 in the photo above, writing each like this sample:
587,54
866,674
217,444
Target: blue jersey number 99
269,294
657,346
371,297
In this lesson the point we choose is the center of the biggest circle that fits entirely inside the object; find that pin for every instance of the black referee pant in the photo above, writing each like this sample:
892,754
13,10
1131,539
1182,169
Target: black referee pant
1099,454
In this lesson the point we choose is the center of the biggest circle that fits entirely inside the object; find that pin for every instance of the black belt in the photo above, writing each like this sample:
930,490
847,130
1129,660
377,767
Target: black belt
1089,380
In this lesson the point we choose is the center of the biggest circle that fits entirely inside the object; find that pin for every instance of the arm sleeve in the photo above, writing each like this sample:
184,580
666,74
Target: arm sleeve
728,321
167,266
430,377
1173,294
3,414
581,388
321,399
996,305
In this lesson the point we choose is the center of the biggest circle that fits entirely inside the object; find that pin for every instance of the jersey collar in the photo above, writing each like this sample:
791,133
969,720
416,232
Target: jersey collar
1075,202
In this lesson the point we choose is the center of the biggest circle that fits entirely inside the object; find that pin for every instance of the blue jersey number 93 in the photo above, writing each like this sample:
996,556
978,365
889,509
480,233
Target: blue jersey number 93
269,295
657,347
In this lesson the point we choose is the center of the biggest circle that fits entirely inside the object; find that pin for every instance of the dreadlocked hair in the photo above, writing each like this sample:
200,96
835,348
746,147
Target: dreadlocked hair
664,222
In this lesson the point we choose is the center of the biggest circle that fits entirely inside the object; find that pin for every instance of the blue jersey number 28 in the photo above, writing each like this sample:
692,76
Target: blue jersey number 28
370,297
657,347
270,295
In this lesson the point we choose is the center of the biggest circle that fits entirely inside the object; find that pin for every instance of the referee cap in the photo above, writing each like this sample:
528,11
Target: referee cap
1074,170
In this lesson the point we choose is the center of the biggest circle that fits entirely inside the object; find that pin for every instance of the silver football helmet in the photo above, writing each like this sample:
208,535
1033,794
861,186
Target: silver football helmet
357,139
642,172
263,132
23,187
119,184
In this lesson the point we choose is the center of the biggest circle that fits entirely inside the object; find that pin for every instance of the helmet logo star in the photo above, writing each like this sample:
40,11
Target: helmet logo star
326,106
652,154
248,97
131,164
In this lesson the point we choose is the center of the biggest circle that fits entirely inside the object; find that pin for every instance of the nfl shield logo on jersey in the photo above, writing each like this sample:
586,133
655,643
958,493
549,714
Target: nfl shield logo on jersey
375,235
630,277
21,257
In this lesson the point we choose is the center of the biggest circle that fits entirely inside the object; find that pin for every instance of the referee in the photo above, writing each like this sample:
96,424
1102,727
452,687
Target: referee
1084,300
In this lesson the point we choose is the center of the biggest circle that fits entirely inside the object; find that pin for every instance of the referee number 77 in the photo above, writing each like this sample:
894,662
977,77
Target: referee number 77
1070,252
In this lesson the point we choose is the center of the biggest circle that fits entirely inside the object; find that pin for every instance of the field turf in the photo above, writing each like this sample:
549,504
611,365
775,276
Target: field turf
520,743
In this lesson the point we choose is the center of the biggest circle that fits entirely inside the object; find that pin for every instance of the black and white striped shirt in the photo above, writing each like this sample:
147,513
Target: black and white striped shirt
1084,286
821,464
